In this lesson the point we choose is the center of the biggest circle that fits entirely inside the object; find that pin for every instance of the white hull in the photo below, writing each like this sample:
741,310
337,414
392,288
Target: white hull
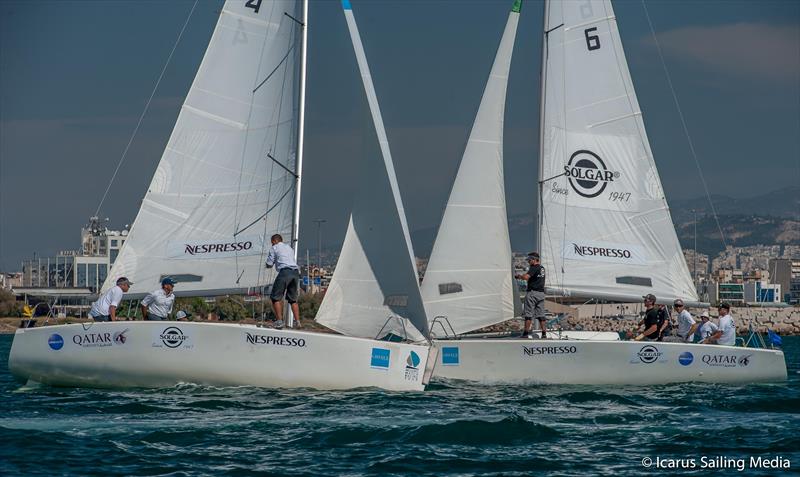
162,354
493,361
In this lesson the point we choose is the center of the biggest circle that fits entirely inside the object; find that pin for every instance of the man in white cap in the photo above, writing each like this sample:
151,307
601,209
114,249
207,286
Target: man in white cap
726,334
157,305
686,324
105,308
707,327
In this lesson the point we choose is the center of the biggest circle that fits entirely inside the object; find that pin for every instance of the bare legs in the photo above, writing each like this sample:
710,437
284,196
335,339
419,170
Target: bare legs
277,307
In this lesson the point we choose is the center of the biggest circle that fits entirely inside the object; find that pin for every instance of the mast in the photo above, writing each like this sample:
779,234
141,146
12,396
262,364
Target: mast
542,80
301,129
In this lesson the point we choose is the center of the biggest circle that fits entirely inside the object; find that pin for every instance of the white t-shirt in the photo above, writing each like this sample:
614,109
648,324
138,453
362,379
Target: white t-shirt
707,329
110,298
685,322
159,303
728,328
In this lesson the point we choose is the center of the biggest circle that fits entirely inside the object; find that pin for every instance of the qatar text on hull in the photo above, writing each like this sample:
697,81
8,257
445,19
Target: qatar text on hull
604,362
158,354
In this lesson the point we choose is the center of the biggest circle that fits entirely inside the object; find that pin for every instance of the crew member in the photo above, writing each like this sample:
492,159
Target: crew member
534,296
726,334
157,306
105,308
707,328
650,322
287,283
686,324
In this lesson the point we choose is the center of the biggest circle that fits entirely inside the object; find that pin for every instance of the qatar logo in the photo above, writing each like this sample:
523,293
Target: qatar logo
686,358
120,338
588,174
55,341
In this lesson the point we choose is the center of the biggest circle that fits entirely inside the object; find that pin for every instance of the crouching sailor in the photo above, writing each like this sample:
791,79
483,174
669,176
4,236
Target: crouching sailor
157,305
105,308
287,283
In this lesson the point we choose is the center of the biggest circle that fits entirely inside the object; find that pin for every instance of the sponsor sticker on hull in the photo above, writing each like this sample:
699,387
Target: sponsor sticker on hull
55,341
648,354
102,339
450,356
274,340
172,337
544,351
379,358
412,366
726,360
686,358
221,248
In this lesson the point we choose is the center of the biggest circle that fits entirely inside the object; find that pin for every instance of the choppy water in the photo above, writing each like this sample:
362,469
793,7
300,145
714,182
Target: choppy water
452,429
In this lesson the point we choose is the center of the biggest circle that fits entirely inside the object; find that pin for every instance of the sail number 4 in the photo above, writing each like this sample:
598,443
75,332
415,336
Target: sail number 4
619,196
254,4
592,41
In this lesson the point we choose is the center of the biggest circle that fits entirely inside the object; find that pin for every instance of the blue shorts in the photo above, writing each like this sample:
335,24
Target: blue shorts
286,284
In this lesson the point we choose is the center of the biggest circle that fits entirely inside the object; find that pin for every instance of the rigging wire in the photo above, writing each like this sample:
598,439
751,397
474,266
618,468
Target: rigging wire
683,123
146,107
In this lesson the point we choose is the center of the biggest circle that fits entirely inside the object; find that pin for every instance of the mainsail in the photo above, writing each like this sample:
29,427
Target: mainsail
605,227
469,275
226,180
375,280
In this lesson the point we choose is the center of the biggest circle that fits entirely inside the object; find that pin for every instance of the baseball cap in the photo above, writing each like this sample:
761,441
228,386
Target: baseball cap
124,280
168,281
705,315
678,302
649,297
180,315
724,305
533,255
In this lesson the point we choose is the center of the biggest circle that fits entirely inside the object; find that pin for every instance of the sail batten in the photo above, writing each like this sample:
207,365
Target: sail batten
469,276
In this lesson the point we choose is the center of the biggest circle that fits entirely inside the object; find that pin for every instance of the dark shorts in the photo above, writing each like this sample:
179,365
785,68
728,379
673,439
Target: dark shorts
101,317
286,283
152,317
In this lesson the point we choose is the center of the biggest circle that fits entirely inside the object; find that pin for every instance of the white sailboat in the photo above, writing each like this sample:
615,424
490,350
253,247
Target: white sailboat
605,229
228,179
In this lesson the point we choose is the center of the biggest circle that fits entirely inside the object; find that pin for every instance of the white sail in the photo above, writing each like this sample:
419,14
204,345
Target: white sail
605,228
376,275
469,276
226,180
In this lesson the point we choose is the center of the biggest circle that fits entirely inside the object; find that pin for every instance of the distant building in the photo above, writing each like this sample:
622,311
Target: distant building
84,268
780,271
9,281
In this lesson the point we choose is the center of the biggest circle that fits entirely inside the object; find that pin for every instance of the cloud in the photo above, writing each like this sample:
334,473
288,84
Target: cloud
757,50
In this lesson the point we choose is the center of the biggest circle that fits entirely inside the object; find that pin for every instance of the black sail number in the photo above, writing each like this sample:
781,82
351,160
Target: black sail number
254,4
592,41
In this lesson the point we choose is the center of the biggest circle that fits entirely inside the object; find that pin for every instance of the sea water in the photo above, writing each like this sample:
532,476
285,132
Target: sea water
453,428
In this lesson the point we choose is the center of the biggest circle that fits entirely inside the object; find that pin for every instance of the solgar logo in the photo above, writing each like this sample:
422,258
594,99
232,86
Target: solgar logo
217,248
588,174
649,354
588,251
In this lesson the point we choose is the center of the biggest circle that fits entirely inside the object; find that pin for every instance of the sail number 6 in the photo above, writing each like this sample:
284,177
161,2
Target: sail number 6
592,41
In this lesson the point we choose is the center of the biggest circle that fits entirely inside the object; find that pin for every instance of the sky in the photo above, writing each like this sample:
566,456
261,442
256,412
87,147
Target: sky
75,77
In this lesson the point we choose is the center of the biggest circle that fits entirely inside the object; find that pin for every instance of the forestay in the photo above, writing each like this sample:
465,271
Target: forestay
376,276
606,230
469,276
226,179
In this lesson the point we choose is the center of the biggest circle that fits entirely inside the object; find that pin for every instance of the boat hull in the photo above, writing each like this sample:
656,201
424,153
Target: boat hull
494,361
162,354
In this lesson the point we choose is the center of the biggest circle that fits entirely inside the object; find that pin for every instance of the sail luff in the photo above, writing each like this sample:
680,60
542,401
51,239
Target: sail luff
469,275
301,117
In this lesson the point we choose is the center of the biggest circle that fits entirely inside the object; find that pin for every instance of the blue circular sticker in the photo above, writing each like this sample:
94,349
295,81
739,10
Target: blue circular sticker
55,341
685,358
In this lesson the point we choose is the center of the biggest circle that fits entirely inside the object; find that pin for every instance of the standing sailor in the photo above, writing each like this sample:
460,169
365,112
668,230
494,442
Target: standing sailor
534,296
105,308
157,305
287,283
